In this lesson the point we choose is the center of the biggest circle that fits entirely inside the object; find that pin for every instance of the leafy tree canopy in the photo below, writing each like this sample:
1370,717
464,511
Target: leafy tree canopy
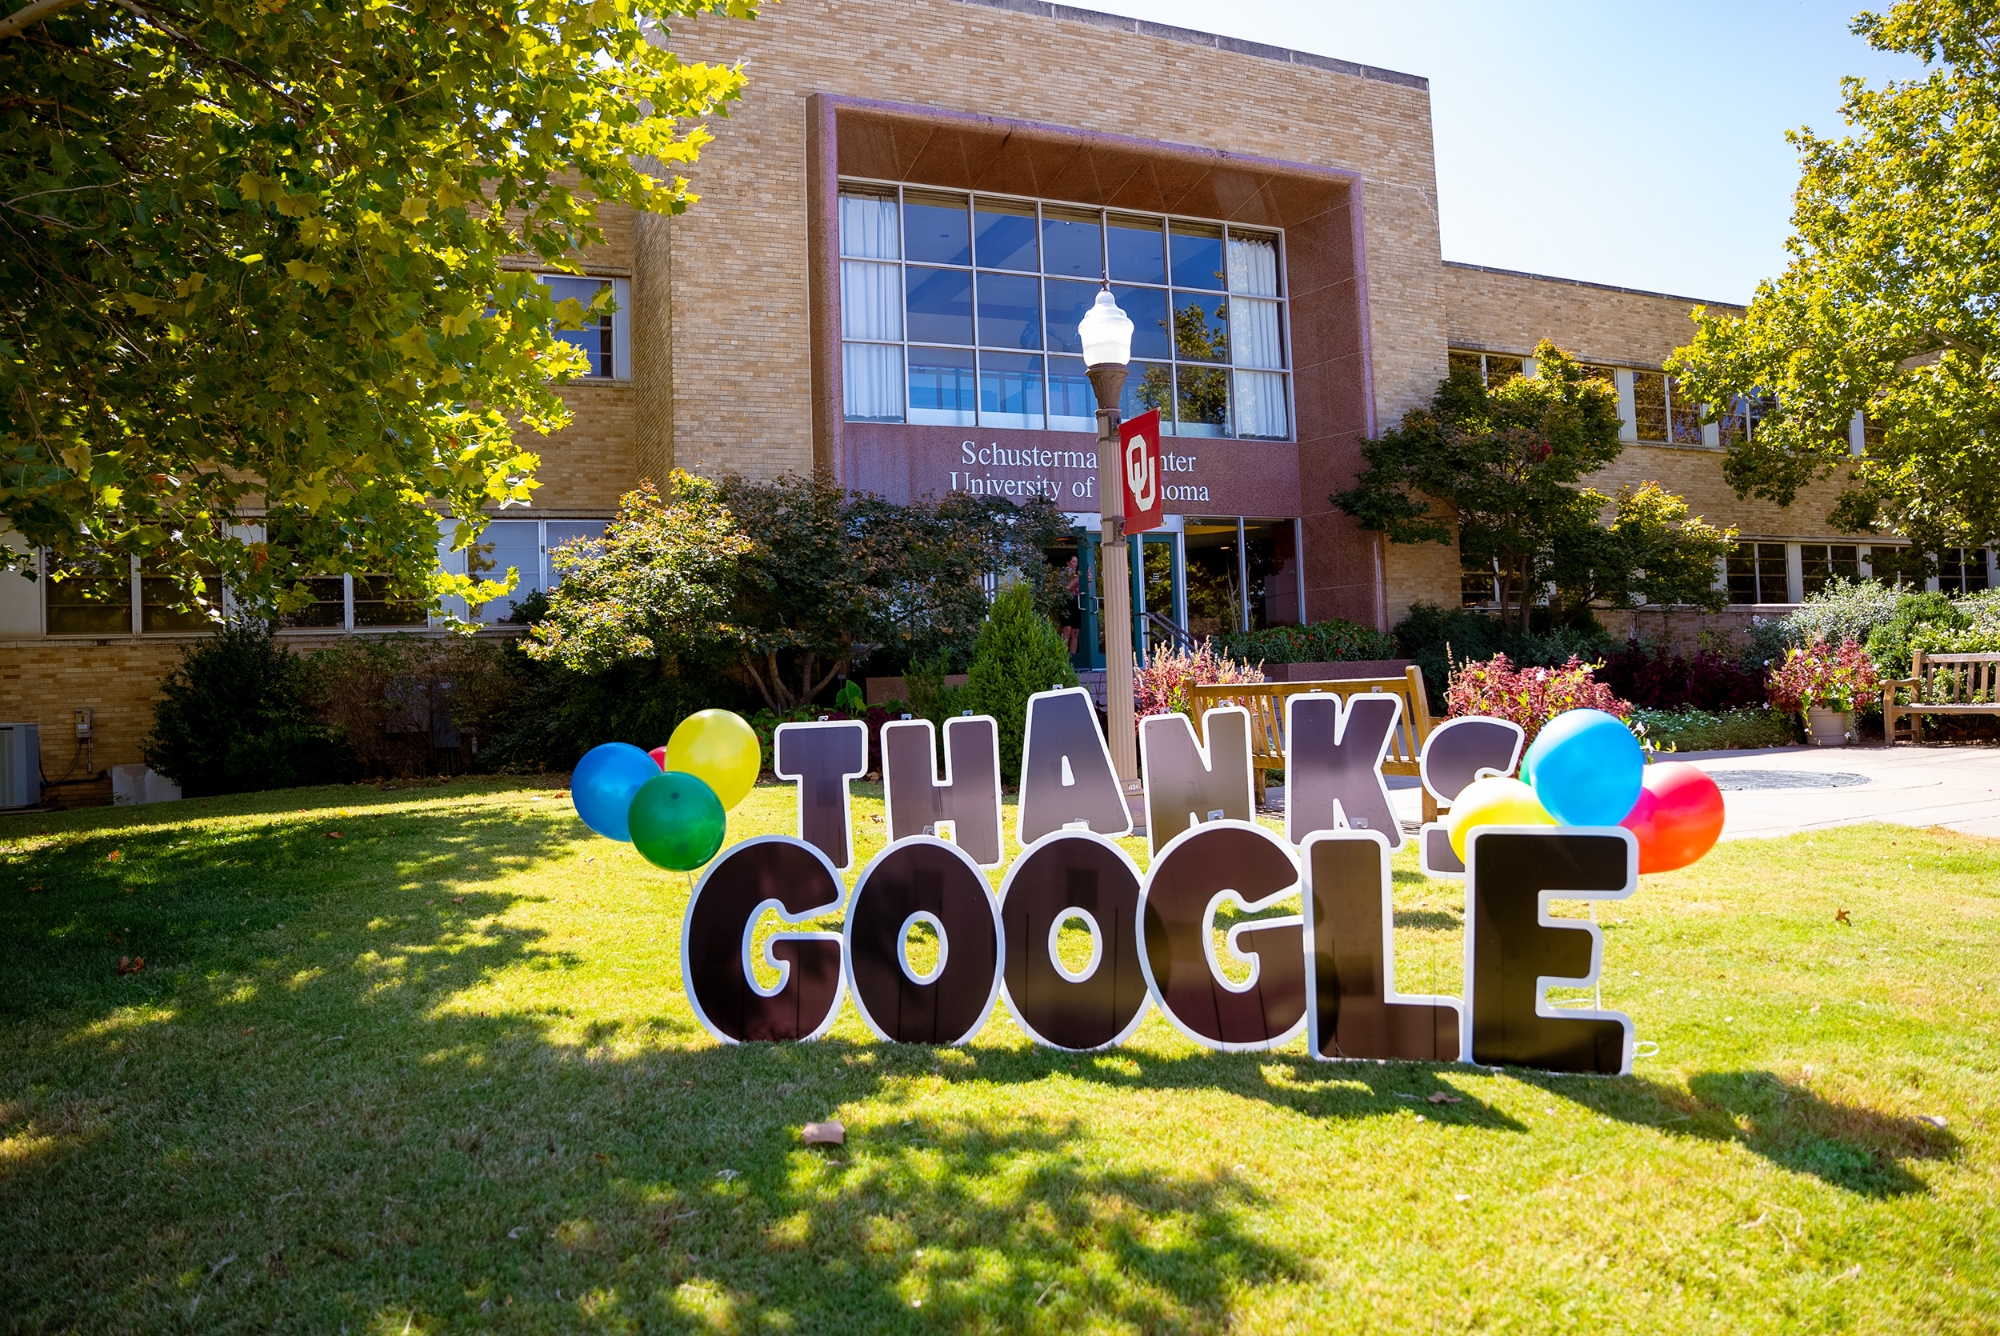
1500,470
254,256
1652,551
1887,306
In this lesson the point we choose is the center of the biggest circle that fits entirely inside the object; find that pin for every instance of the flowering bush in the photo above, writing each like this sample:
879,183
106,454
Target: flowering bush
1529,696
1817,675
1161,687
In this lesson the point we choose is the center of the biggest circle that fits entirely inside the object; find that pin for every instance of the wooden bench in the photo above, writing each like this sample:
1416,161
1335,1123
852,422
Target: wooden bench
1266,703
1941,684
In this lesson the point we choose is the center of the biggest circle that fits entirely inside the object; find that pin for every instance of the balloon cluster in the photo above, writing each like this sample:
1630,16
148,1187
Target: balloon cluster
1586,769
670,803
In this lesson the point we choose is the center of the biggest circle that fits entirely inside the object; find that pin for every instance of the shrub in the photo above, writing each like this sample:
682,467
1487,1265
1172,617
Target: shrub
1889,642
1529,696
551,715
1657,680
409,705
1816,675
1710,730
1331,641
233,717
1438,640
1161,687
1841,610
1019,652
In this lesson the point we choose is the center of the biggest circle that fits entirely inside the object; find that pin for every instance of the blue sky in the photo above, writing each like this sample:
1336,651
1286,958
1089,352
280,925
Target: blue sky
1637,145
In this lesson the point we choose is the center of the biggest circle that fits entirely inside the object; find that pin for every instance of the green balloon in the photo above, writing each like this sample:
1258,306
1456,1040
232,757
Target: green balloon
677,821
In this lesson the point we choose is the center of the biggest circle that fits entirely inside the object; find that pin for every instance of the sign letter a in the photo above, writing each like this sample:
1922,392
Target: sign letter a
1066,772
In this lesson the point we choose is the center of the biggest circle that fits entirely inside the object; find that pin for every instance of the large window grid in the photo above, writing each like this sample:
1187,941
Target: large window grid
1661,413
961,310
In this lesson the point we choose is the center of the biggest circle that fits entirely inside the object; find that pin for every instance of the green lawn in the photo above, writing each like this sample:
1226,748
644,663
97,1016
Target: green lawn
438,1073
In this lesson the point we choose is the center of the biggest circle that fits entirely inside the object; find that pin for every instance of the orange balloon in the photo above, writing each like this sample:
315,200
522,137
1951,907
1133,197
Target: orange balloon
1678,817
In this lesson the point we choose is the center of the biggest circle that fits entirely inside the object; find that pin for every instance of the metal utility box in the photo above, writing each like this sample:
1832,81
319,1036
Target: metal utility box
20,765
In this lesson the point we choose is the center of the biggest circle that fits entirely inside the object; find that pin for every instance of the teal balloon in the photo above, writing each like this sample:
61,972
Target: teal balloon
677,821
603,785
1586,767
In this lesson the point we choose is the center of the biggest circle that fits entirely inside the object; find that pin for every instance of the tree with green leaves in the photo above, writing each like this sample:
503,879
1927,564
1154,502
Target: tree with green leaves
266,259
1652,551
1019,653
658,585
1887,306
1498,470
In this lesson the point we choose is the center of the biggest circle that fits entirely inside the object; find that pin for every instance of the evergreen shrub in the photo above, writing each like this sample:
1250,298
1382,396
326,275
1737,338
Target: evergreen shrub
234,717
1019,652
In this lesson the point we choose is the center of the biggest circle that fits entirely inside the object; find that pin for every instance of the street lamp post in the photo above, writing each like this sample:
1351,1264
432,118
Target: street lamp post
1106,333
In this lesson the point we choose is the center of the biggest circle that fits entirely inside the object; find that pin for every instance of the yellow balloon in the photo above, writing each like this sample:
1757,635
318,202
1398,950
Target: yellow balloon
1494,802
719,749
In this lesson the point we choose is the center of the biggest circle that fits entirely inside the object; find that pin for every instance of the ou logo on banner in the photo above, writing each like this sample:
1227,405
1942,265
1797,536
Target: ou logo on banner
1139,442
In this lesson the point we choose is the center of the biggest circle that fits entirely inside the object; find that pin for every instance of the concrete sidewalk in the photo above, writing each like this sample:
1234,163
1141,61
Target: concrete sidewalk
1782,790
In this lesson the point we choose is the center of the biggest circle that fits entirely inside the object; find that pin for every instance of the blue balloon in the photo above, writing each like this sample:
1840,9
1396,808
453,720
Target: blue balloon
1586,767
603,785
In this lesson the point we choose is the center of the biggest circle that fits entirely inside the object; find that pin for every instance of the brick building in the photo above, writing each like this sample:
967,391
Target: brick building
899,227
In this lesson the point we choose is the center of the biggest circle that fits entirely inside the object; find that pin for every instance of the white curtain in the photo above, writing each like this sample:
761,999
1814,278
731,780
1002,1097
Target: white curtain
871,375
871,301
868,227
1253,266
1258,404
1253,334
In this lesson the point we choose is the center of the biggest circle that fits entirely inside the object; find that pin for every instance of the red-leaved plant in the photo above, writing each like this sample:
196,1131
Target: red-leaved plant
1817,675
1161,686
1529,696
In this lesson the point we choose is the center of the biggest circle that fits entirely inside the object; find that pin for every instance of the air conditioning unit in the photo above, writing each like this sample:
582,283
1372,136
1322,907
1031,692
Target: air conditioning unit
20,765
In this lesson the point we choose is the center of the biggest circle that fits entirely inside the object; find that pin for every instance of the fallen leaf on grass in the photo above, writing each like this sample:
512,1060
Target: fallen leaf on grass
33,889
130,964
112,857
1840,916
332,835
1439,1097
829,1133
1934,1119
458,899
729,1175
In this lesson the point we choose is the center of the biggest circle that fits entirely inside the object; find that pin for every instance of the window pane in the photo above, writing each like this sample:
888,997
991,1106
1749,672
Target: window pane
1147,307
376,603
89,596
1010,310
1683,419
935,227
871,301
1010,390
1214,577
1458,363
1730,427
868,224
941,386
1260,405
1149,386
1202,404
1649,404
1067,302
506,545
570,537
1772,584
328,605
1003,233
1253,330
159,593
1814,567
1072,403
1476,584
1138,249
871,382
1197,255
1844,560
1741,568
1253,265
1072,243
595,336
1976,563
1500,369
940,305
1201,333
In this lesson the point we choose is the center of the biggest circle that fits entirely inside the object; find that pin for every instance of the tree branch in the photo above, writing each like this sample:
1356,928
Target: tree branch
31,14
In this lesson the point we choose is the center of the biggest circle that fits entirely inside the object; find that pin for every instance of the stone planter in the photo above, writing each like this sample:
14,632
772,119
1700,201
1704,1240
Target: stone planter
1829,728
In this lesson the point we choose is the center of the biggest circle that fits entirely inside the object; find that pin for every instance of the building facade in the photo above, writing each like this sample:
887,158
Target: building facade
900,226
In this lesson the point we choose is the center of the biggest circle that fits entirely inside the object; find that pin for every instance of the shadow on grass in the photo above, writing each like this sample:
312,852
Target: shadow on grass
1855,1149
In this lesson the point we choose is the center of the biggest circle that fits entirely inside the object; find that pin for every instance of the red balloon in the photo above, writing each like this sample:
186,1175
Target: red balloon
659,755
1678,817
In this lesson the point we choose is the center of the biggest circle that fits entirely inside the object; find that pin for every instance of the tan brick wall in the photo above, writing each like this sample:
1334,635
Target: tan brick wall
118,679
740,265
1696,474
1511,313
590,463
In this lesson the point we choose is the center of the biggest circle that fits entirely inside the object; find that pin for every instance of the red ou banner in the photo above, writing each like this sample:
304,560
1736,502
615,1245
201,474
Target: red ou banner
1139,467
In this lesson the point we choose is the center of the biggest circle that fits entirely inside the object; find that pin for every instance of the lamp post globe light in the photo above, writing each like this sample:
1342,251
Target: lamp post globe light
1106,334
